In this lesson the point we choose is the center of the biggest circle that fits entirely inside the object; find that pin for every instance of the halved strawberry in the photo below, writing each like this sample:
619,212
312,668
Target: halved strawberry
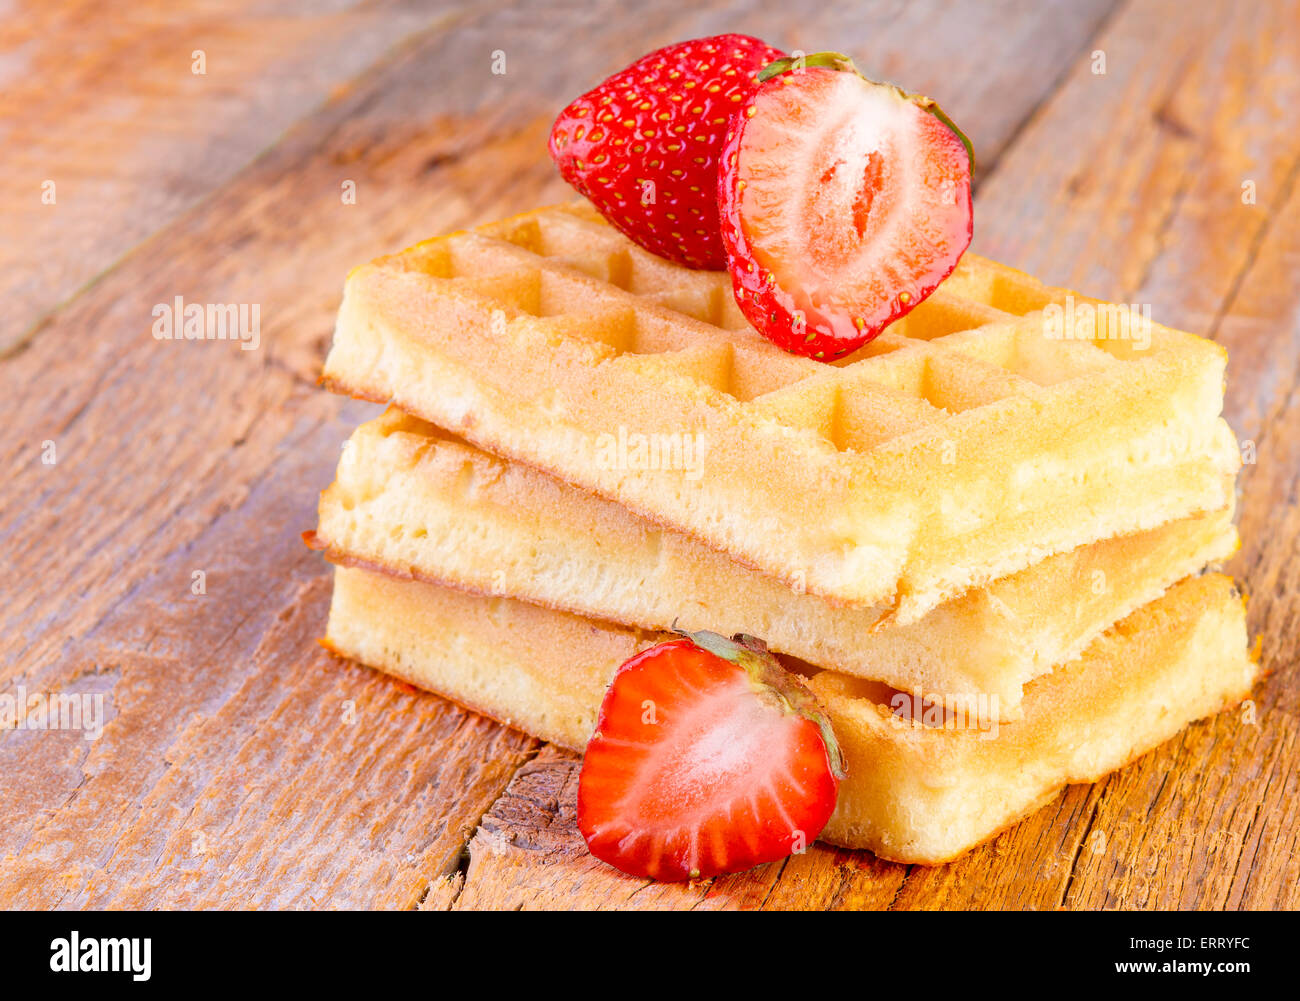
844,204
644,145
708,757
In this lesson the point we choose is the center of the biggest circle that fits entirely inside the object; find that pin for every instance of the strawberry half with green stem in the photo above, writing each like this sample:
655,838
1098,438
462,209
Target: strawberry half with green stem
844,204
708,757
644,146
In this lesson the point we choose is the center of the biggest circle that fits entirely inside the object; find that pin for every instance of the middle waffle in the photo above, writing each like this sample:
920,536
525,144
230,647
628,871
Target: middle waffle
414,501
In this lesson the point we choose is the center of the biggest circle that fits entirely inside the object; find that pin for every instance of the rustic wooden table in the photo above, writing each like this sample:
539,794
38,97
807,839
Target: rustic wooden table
1141,150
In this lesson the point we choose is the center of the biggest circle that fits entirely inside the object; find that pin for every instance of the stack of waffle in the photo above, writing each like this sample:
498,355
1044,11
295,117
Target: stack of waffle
983,537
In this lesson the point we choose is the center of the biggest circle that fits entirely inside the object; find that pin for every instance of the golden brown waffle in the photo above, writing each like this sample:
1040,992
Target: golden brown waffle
417,502
964,444
916,791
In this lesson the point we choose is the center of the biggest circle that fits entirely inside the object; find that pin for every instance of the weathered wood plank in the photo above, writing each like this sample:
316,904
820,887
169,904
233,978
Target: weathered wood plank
241,765
1128,184
103,102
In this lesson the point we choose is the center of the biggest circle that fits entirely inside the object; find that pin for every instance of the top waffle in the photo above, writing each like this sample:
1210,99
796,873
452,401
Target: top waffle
999,422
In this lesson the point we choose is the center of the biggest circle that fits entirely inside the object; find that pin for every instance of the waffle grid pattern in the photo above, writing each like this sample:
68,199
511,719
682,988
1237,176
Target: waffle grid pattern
971,343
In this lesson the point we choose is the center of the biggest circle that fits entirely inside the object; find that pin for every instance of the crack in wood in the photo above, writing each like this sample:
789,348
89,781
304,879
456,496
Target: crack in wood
1064,900
1256,245
898,890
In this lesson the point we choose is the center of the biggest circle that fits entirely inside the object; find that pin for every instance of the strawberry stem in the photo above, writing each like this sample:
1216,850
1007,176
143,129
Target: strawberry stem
824,60
768,677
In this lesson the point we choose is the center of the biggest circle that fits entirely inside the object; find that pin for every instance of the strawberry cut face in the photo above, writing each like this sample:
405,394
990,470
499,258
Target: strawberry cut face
844,204
700,765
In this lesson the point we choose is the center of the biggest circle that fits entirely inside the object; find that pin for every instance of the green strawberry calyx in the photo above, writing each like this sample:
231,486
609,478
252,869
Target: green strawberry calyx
773,682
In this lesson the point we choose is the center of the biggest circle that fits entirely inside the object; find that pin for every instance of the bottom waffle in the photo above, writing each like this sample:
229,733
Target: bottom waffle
923,785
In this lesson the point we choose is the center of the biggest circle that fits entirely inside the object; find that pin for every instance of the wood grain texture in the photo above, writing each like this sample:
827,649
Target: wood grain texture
228,774
104,102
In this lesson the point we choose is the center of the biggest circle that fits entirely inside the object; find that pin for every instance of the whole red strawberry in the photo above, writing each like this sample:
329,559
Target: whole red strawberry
644,146
844,203
708,757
